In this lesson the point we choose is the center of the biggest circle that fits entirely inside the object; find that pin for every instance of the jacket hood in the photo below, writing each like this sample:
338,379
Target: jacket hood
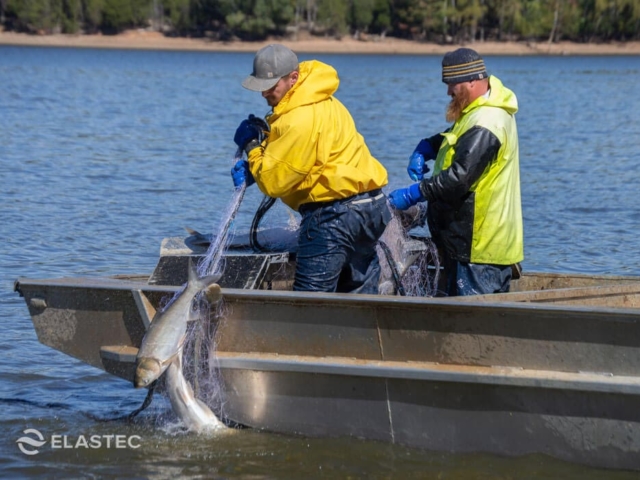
500,97
317,82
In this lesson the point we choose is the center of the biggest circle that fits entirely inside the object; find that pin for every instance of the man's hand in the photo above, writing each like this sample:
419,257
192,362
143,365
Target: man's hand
240,174
404,198
262,125
247,133
417,162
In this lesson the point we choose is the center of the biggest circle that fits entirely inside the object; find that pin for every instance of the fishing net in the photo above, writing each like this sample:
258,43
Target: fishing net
274,228
409,266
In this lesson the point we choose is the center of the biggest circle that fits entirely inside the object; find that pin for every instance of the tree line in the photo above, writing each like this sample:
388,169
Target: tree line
441,21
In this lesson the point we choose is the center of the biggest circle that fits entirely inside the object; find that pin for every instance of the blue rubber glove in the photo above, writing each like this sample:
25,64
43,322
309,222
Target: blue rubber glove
263,126
247,131
417,162
403,198
241,174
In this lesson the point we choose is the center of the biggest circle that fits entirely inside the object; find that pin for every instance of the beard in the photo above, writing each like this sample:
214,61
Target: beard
457,105
271,101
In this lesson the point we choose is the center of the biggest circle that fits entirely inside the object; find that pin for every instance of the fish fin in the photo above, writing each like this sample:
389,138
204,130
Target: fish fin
180,348
210,279
177,358
193,271
215,422
197,239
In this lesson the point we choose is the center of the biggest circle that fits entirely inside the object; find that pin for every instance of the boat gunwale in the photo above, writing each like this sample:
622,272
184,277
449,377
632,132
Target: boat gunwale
623,314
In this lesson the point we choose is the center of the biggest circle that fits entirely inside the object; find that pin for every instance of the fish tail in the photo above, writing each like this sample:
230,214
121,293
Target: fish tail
201,282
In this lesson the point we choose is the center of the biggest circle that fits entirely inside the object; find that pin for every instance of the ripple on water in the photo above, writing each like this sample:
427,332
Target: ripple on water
104,153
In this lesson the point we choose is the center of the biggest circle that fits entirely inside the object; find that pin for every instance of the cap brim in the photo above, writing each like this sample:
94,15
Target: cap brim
259,84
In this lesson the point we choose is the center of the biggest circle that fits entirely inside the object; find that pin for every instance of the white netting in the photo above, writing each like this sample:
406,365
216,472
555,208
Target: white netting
409,267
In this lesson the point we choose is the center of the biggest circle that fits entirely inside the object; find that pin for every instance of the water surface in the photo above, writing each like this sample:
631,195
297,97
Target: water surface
105,152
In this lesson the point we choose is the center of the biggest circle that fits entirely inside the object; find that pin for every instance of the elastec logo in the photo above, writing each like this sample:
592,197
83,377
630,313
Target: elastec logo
30,446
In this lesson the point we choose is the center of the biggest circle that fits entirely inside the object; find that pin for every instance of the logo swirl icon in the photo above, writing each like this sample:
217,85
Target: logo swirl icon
25,442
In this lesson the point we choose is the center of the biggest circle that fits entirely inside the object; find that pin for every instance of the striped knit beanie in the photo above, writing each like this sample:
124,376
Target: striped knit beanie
463,65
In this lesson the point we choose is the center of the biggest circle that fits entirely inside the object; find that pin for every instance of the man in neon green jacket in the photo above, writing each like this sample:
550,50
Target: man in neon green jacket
474,210
314,159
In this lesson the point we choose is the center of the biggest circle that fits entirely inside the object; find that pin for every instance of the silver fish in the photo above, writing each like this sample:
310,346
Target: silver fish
194,413
166,334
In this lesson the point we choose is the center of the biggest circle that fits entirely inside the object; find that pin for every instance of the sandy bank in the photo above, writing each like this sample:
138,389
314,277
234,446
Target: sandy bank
140,39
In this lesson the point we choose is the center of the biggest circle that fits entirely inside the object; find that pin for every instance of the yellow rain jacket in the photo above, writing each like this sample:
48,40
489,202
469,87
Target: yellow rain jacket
314,152
474,209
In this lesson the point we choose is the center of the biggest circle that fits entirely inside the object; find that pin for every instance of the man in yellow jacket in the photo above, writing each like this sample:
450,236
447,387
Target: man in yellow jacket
474,209
314,159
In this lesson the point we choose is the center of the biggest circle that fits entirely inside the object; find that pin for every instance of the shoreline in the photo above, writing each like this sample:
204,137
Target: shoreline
148,40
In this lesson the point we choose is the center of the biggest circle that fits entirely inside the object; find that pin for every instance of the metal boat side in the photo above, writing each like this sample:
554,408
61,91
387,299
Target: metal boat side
505,378
508,377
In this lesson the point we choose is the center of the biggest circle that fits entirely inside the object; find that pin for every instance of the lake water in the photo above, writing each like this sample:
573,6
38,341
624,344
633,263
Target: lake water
103,153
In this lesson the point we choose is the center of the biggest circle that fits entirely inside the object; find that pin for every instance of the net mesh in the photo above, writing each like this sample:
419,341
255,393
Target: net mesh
409,266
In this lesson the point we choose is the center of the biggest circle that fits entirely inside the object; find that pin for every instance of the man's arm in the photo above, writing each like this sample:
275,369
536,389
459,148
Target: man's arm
474,150
288,157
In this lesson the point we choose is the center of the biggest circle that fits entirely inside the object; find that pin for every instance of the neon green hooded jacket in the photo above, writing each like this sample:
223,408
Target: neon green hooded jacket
313,152
474,209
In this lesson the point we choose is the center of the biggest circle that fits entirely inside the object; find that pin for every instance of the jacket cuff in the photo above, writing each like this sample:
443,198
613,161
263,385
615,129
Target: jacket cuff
251,145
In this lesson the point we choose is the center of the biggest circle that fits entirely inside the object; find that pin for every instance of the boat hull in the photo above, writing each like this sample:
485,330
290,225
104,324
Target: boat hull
543,374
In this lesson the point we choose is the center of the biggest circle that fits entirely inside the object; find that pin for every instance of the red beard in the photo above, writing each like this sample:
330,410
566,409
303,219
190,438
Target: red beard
457,105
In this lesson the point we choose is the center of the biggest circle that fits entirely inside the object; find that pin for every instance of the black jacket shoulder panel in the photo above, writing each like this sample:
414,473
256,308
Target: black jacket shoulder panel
474,150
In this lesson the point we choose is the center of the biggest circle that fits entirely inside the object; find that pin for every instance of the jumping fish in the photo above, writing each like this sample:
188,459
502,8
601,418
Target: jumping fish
165,337
194,413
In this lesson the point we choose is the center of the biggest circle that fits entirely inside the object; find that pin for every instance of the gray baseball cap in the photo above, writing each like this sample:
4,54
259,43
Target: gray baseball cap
270,64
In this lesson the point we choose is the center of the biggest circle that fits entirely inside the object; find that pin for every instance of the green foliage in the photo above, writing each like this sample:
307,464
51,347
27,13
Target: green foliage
616,19
207,14
332,16
177,15
381,22
463,19
361,14
419,19
71,16
92,13
457,21
31,15
117,15
256,19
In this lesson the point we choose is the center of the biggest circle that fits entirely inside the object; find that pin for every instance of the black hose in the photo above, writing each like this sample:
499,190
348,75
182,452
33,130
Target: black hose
145,403
130,416
265,205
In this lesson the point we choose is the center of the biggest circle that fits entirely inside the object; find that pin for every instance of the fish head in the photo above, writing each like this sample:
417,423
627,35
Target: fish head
147,370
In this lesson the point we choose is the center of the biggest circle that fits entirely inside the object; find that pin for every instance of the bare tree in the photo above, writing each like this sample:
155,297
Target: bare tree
554,28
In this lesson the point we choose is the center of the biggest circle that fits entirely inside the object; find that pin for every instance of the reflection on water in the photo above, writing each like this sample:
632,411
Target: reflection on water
104,153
